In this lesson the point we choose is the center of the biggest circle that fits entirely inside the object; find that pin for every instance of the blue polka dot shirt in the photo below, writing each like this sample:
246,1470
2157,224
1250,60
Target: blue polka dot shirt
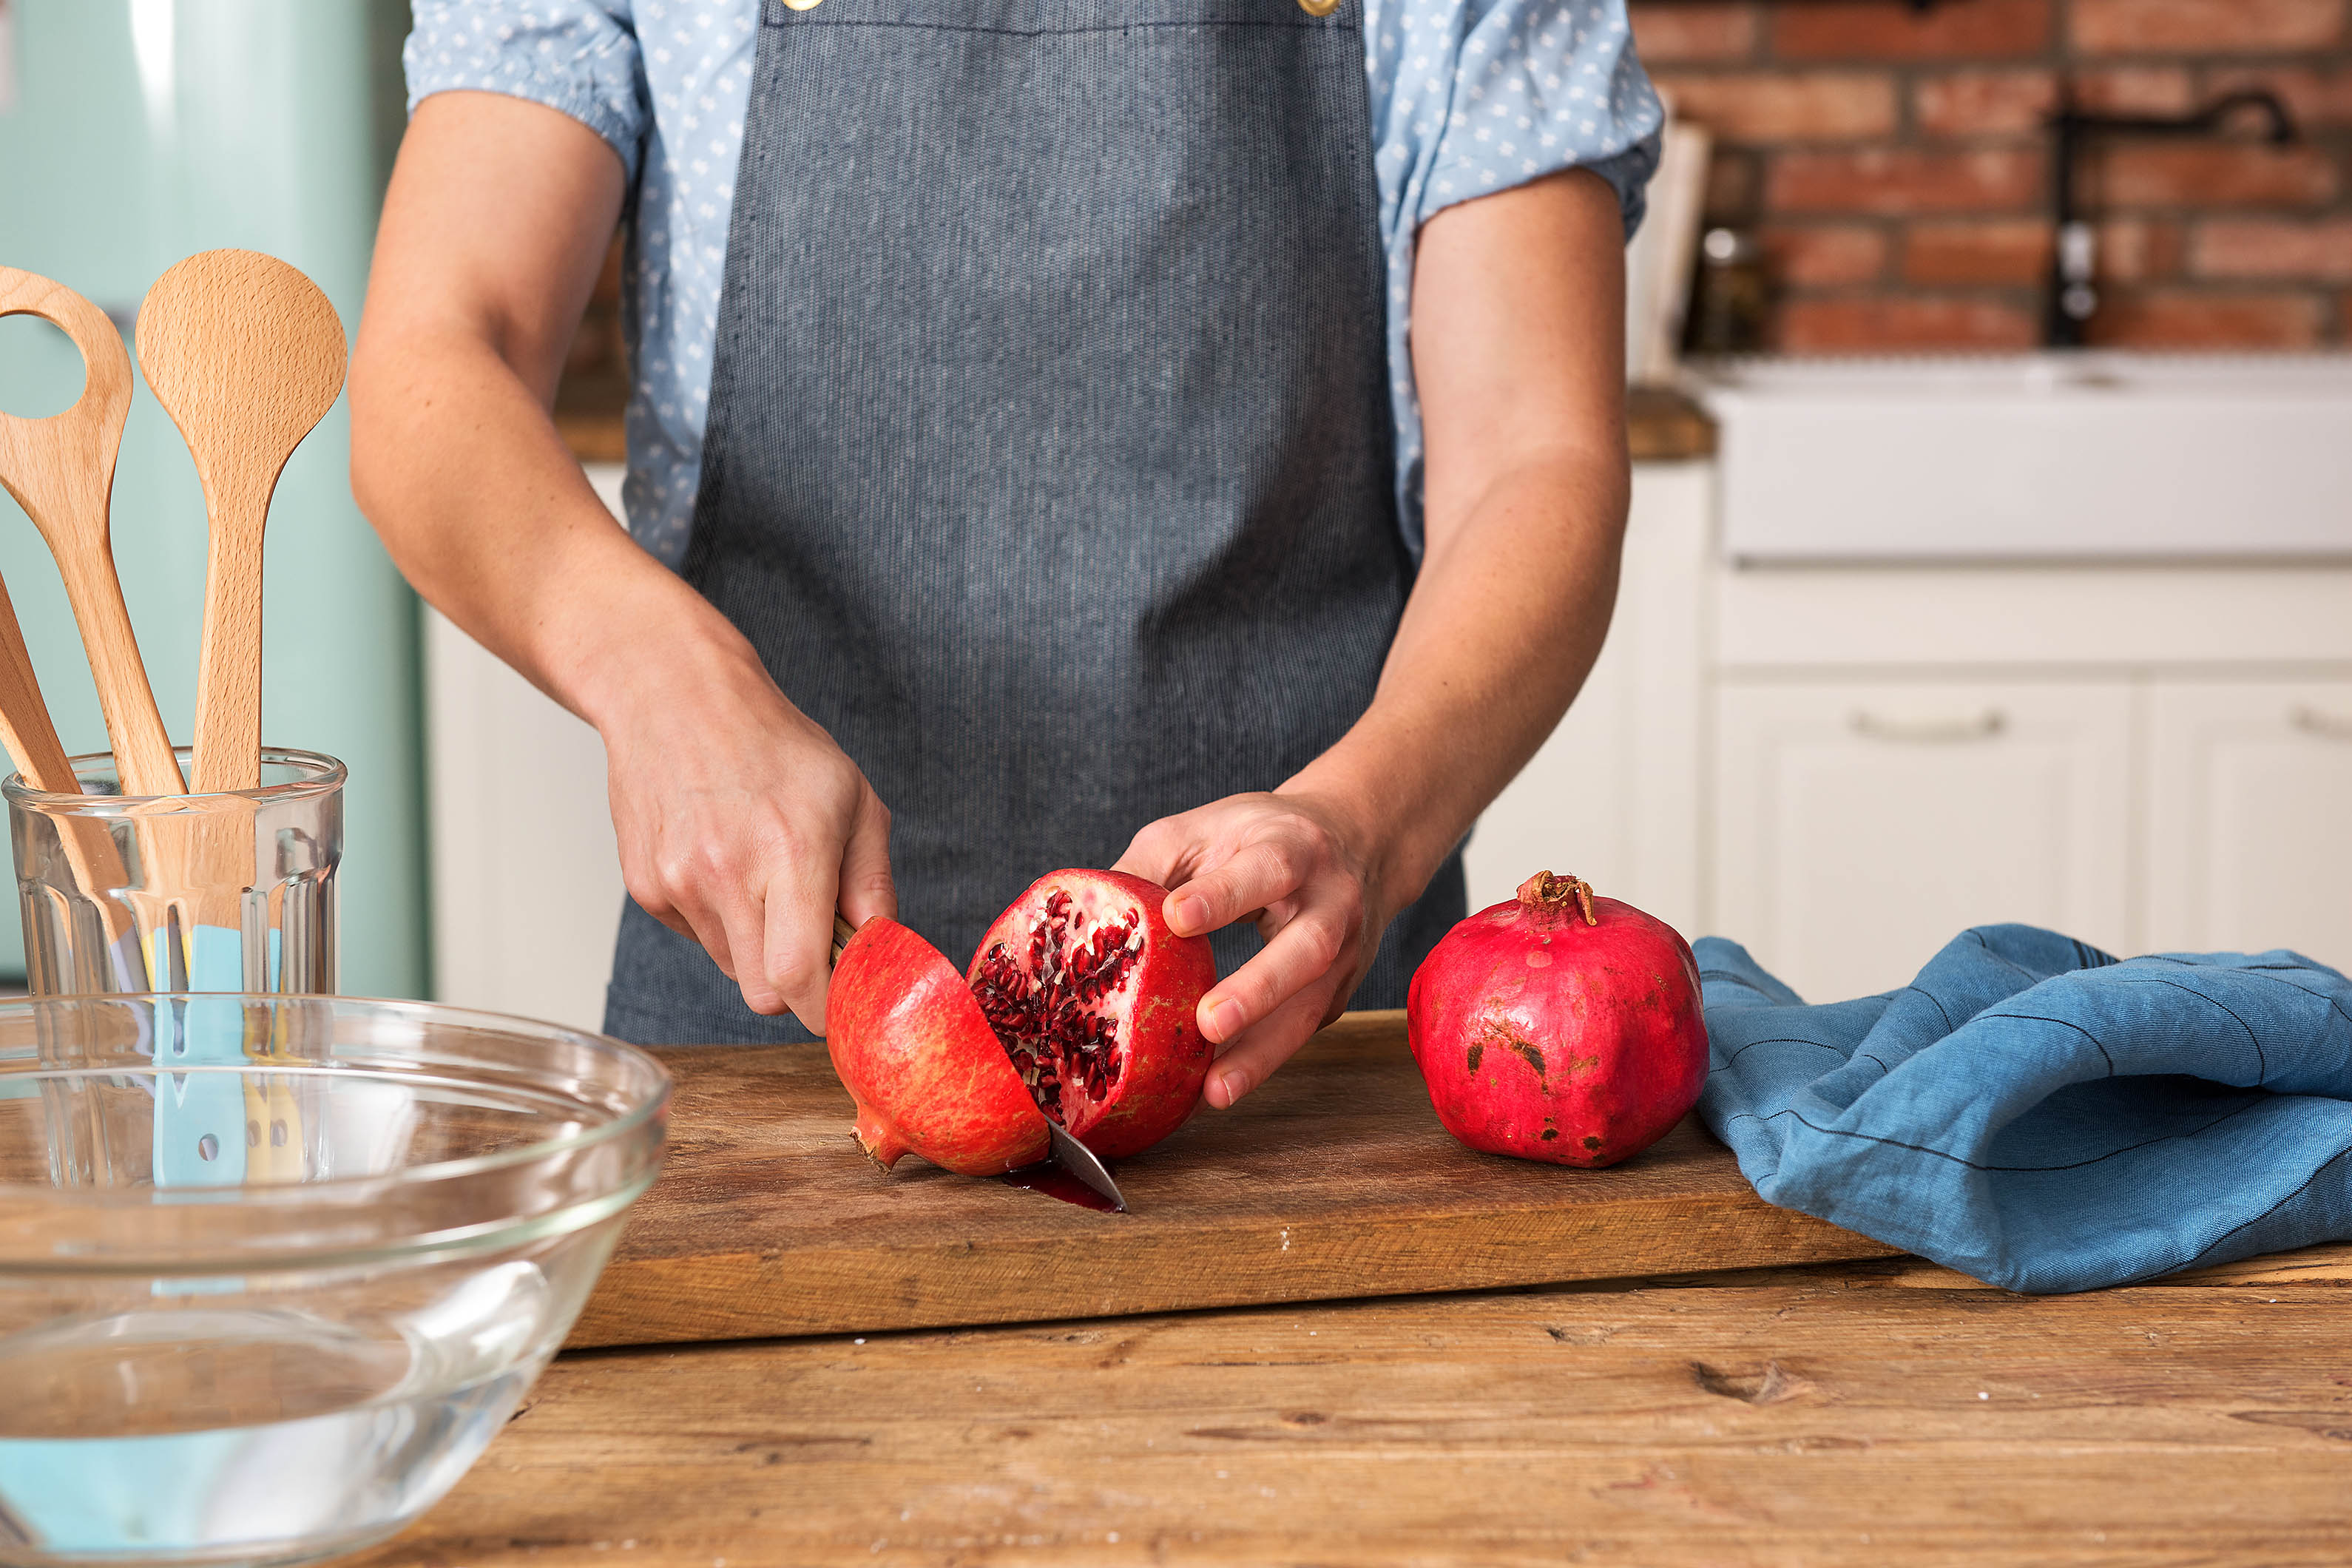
1468,96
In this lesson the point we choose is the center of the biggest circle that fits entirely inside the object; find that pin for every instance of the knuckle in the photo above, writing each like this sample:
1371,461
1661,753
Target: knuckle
1320,943
706,862
1284,857
671,869
790,971
776,841
1266,993
646,886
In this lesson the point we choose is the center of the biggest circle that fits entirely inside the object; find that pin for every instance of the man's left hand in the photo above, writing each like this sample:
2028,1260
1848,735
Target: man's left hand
1318,889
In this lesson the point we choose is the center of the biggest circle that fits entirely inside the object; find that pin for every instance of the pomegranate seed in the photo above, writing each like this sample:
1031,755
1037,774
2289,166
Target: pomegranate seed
1046,1005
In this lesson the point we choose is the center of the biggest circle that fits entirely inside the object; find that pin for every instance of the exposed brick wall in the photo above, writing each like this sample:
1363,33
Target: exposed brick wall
1895,165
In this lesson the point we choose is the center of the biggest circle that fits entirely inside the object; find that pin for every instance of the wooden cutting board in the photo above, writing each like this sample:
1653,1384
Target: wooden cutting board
1333,1180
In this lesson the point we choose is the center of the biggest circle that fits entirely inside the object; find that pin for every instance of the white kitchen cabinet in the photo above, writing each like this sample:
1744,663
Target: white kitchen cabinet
2250,817
1861,825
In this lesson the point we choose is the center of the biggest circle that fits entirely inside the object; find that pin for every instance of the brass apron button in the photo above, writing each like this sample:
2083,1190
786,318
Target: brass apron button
1312,8
802,5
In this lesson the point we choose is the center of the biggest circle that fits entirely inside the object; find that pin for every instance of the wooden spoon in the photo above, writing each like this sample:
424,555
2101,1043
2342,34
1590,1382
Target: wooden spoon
246,355
25,726
61,471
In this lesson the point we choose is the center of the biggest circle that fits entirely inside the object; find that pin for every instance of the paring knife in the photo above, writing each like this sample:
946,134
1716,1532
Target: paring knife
1080,1161
1065,1151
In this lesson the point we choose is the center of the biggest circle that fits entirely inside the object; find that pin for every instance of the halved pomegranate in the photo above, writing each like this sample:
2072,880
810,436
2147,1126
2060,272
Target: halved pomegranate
913,1049
1096,1002
1080,1006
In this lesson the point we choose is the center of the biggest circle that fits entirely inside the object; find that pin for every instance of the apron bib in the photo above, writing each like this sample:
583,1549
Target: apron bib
1049,464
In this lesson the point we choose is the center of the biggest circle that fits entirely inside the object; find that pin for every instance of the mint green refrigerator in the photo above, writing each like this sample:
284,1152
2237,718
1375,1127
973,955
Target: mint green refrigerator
134,133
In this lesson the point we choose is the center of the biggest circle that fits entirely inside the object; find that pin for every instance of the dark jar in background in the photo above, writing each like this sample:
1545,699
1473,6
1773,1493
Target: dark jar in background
1731,297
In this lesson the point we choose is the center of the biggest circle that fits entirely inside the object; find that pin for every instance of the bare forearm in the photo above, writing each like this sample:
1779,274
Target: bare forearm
495,223
739,823
1502,628
488,515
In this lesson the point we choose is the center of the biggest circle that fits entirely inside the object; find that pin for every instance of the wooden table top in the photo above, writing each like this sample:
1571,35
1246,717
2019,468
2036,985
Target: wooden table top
1839,1414
1835,1407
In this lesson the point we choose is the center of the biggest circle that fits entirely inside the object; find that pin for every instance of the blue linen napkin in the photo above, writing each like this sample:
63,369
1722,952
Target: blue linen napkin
2040,1115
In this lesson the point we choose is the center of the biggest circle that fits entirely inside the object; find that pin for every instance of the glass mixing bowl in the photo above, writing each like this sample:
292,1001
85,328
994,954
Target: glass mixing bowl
275,1270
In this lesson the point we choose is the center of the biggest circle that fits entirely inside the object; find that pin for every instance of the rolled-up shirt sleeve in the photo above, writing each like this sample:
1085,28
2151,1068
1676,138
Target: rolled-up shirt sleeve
1471,97
1534,87
579,58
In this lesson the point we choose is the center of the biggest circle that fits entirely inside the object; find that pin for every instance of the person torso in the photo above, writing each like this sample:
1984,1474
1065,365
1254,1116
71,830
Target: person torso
1049,465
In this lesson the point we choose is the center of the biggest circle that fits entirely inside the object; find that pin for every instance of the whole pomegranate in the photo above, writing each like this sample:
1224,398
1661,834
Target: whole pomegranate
1080,1006
1559,1027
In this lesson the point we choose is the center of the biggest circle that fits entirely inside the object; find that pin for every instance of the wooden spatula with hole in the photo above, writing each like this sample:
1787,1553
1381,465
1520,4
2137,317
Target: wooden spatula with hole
61,471
246,355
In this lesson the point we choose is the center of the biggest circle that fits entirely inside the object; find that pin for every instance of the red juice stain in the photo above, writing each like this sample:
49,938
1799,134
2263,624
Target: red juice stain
1050,1179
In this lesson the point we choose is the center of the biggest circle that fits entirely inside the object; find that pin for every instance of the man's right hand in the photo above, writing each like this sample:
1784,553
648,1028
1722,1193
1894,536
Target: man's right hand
742,825
740,821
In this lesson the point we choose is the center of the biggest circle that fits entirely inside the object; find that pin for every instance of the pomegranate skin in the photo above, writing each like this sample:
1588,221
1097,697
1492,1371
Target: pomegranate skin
910,1044
1165,1058
1546,1038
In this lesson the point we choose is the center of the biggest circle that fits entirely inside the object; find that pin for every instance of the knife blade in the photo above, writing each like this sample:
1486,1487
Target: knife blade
1080,1161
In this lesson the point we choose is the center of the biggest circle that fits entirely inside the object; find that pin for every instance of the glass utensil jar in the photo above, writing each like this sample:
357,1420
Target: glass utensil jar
283,1340
232,891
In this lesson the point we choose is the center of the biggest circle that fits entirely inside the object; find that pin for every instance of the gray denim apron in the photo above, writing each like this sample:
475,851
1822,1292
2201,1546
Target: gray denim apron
1049,464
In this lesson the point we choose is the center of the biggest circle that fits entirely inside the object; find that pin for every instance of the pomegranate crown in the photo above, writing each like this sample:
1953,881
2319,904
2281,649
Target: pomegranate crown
1552,895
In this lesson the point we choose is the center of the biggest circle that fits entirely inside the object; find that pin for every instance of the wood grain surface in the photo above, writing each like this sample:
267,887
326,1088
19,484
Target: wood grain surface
1858,1414
1333,1180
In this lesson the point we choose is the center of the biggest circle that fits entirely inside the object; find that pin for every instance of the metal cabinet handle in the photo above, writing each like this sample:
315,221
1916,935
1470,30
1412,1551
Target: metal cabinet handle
1983,727
2312,721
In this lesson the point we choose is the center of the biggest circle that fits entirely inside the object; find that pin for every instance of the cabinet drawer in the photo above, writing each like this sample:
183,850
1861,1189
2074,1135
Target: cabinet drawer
1859,826
2250,817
